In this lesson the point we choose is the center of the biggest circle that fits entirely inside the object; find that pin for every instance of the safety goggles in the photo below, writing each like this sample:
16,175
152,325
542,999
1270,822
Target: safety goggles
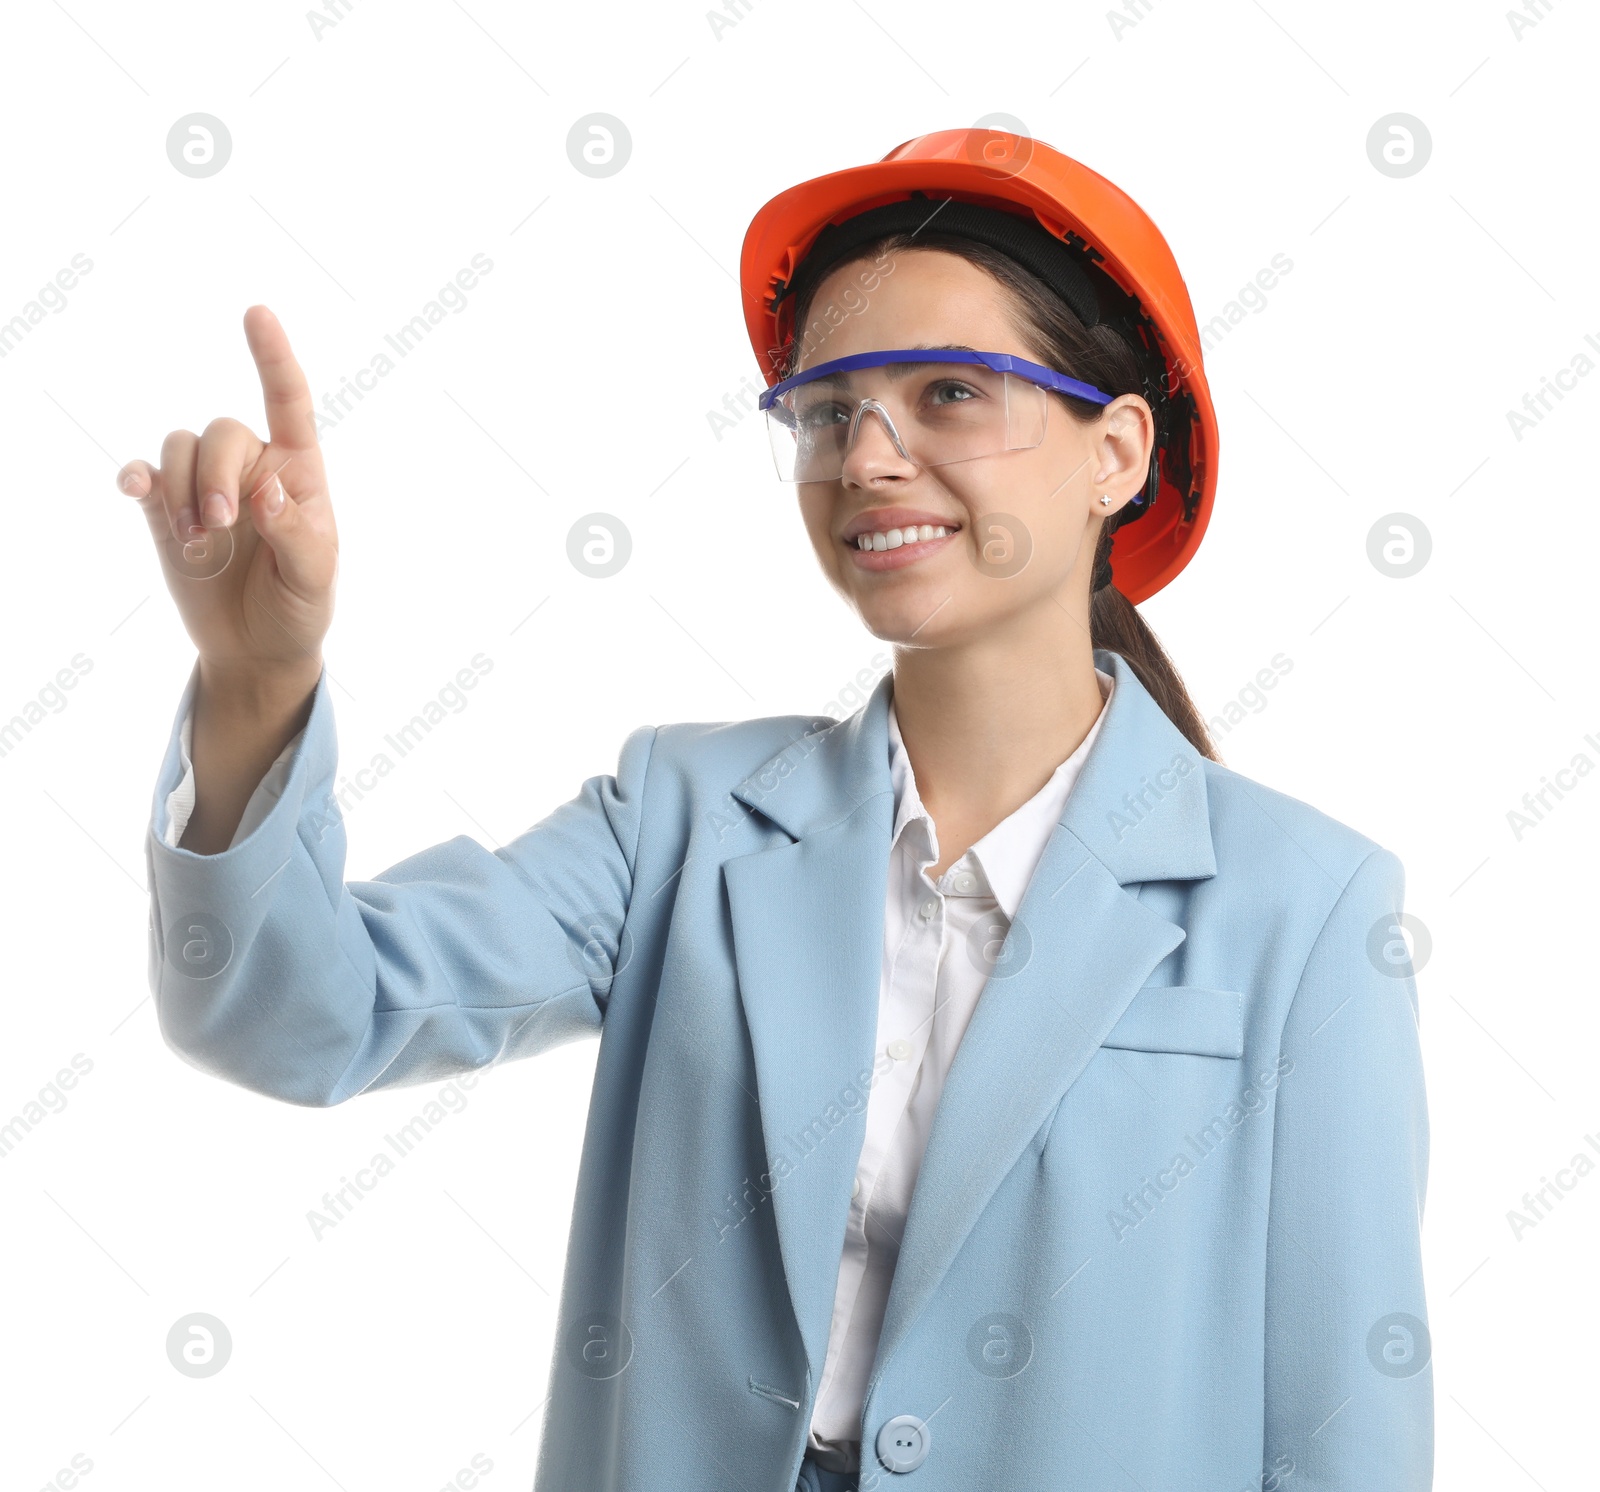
955,406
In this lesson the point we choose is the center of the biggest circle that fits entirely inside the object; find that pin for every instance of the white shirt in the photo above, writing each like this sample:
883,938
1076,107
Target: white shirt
928,989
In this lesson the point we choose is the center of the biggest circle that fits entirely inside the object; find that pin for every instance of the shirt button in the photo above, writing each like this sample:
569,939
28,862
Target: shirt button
928,908
899,1049
966,882
855,1187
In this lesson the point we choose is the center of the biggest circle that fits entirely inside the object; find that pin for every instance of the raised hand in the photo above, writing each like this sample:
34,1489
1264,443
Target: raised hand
245,530
248,547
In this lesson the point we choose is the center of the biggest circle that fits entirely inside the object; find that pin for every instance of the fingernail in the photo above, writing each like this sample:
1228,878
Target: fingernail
215,509
273,501
130,483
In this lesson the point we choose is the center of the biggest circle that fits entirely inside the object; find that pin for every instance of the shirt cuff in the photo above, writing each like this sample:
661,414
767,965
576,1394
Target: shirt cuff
180,801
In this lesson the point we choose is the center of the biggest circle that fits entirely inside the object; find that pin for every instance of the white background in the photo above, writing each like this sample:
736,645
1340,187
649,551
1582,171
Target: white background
368,167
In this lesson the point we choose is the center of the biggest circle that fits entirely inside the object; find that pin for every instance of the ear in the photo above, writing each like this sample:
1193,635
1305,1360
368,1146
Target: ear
1124,446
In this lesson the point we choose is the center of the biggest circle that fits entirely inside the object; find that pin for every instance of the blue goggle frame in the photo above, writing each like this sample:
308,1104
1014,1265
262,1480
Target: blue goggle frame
998,362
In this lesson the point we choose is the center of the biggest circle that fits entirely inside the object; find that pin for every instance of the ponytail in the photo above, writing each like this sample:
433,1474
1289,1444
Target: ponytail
1115,625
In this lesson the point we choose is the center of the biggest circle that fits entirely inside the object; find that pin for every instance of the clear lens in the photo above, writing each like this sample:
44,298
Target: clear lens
941,412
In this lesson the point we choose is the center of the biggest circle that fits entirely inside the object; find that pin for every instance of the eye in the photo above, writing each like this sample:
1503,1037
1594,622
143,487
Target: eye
961,393
819,413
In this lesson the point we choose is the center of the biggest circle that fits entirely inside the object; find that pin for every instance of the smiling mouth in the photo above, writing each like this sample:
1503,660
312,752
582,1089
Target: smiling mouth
896,538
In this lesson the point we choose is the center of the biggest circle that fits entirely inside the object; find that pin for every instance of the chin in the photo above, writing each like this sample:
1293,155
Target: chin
924,616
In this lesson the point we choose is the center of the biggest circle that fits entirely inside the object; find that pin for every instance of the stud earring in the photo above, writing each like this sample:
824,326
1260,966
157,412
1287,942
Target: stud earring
1105,499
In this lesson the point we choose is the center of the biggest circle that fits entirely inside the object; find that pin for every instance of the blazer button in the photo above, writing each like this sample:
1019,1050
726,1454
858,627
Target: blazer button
903,1443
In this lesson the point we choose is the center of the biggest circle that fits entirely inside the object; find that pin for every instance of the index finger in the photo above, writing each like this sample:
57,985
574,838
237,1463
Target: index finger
291,418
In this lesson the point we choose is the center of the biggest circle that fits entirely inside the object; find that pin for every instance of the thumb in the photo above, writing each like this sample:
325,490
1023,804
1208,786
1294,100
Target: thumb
296,545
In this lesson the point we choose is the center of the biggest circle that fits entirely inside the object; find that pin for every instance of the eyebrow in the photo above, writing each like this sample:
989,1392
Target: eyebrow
896,371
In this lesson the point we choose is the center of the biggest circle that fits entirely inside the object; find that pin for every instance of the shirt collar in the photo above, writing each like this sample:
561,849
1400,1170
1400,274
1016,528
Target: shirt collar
1009,853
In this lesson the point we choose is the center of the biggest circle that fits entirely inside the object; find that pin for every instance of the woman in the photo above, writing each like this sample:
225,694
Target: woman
993,1089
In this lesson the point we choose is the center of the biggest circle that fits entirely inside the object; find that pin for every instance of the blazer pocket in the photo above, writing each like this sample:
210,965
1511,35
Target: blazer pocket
1182,1018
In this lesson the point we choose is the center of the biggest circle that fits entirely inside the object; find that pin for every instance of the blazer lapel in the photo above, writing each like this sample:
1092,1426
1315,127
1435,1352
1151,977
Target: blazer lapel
808,928
1082,945
807,921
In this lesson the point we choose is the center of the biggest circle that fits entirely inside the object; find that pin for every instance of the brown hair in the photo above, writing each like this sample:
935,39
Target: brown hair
1100,356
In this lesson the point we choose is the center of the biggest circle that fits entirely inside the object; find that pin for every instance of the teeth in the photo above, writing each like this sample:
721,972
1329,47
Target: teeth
895,537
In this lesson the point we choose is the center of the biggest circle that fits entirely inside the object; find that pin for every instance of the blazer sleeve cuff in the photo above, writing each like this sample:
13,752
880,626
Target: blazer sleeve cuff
227,883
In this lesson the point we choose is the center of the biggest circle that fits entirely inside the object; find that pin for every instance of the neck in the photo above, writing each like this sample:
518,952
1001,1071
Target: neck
986,723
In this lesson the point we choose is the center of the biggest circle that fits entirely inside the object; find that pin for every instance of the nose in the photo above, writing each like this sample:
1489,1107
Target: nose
875,448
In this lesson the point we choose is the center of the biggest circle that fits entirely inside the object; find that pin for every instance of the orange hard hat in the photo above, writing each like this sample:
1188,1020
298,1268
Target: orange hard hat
1107,232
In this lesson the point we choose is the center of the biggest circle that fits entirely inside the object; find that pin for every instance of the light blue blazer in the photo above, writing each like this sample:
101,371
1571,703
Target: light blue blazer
1166,1232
